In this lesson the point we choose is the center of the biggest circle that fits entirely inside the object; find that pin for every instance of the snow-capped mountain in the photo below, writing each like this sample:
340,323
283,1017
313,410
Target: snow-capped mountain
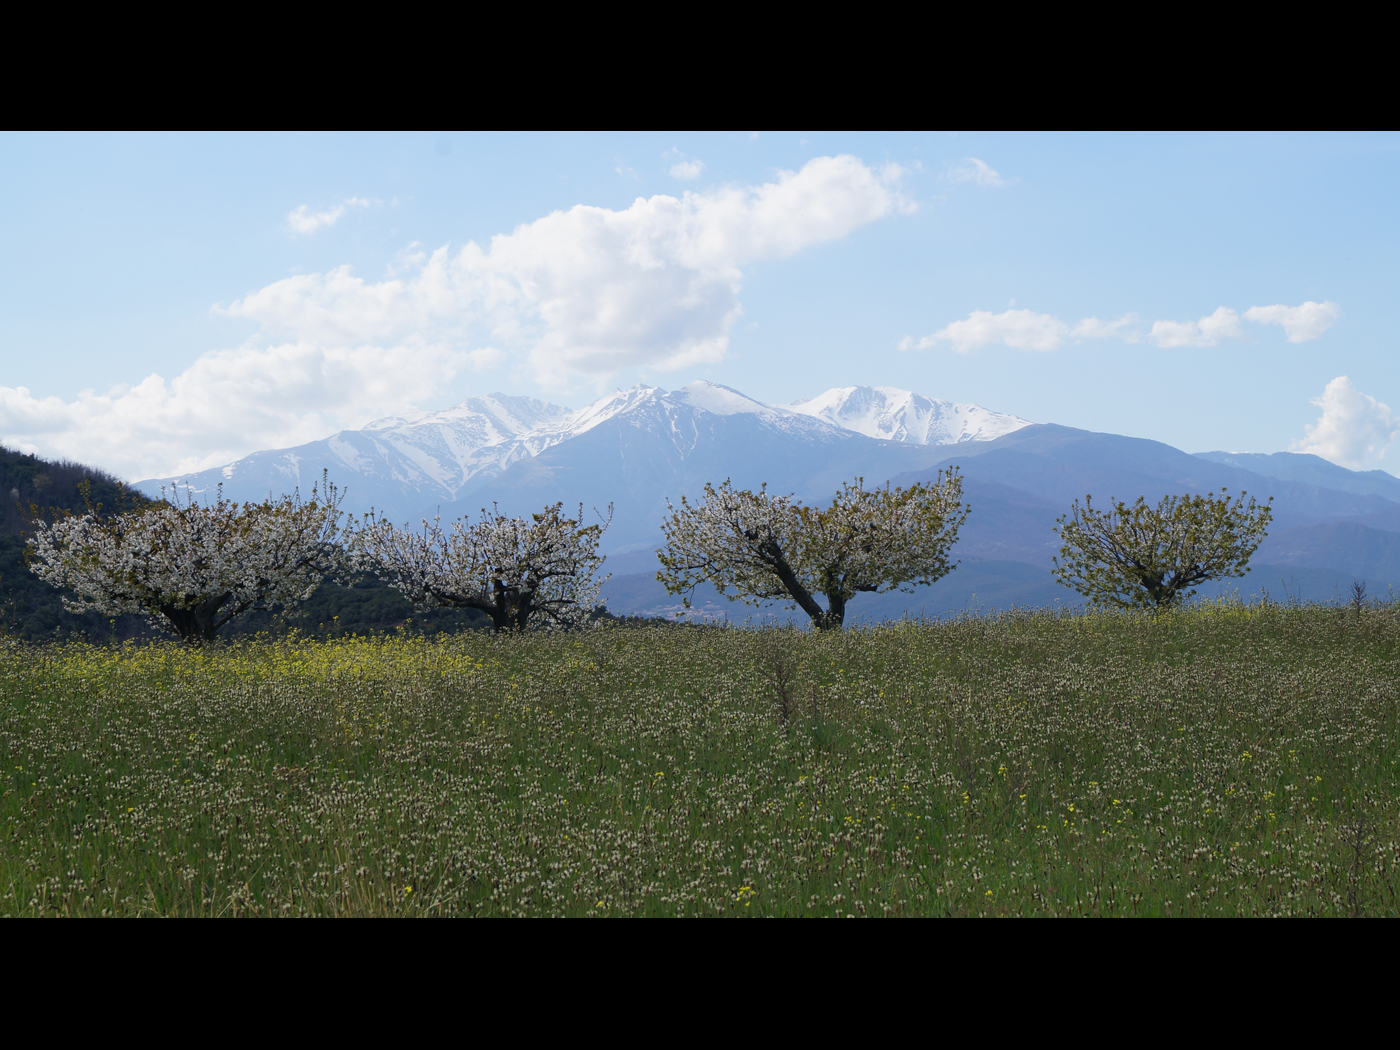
635,403
639,448
901,415
430,454
445,447
407,466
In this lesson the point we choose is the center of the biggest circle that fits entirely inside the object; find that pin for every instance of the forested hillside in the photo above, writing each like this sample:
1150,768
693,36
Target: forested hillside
33,490
36,490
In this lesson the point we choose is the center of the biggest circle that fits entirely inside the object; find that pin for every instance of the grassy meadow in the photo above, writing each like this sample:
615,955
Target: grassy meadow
1223,760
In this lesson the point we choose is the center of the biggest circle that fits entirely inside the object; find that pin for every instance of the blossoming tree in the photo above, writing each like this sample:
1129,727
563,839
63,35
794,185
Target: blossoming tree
772,547
1153,557
508,568
192,567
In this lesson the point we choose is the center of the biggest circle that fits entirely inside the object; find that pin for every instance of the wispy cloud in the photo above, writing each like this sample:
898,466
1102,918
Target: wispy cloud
1208,331
1027,330
1021,329
1300,323
1118,328
687,170
1354,429
303,220
976,171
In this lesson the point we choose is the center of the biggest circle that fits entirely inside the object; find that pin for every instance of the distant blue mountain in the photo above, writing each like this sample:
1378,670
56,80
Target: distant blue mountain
1343,546
1311,470
1019,484
1053,466
636,449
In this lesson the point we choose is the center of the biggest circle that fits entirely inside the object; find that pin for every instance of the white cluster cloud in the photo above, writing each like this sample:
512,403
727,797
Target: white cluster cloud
1208,331
1300,323
1023,329
585,292
592,290
302,219
976,171
1027,330
274,397
1354,429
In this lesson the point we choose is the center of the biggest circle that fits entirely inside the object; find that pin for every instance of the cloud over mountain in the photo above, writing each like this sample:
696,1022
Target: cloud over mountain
590,290
1354,428
1028,330
582,292
226,403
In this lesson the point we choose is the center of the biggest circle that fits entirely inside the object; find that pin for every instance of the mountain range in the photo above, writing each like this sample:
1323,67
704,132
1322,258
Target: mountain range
637,449
632,448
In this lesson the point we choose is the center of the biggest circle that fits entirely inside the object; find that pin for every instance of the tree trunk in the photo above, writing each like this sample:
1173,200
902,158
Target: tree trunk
199,623
525,605
800,594
499,610
835,615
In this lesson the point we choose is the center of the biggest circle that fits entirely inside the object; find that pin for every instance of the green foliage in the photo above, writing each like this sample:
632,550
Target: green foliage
1153,557
1223,760
34,490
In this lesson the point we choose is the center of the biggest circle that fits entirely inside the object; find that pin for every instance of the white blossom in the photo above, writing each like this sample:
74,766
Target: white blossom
191,568
771,547
508,568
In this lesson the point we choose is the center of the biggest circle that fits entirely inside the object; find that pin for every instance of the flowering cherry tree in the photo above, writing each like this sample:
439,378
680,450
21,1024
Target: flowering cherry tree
1136,556
766,547
191,568
508,568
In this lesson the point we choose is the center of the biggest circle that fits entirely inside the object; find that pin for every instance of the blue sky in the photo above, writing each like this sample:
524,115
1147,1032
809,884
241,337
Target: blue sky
172,302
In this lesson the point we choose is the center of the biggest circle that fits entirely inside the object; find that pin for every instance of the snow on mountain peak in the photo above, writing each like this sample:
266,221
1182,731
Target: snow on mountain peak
721,400
608,406
441,454
892,414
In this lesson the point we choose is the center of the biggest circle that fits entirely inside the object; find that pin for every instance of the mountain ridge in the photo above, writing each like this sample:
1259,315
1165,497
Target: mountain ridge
1303,466
632,452
403,463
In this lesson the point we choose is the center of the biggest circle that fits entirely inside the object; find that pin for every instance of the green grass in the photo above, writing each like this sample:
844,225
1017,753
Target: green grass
1228,760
